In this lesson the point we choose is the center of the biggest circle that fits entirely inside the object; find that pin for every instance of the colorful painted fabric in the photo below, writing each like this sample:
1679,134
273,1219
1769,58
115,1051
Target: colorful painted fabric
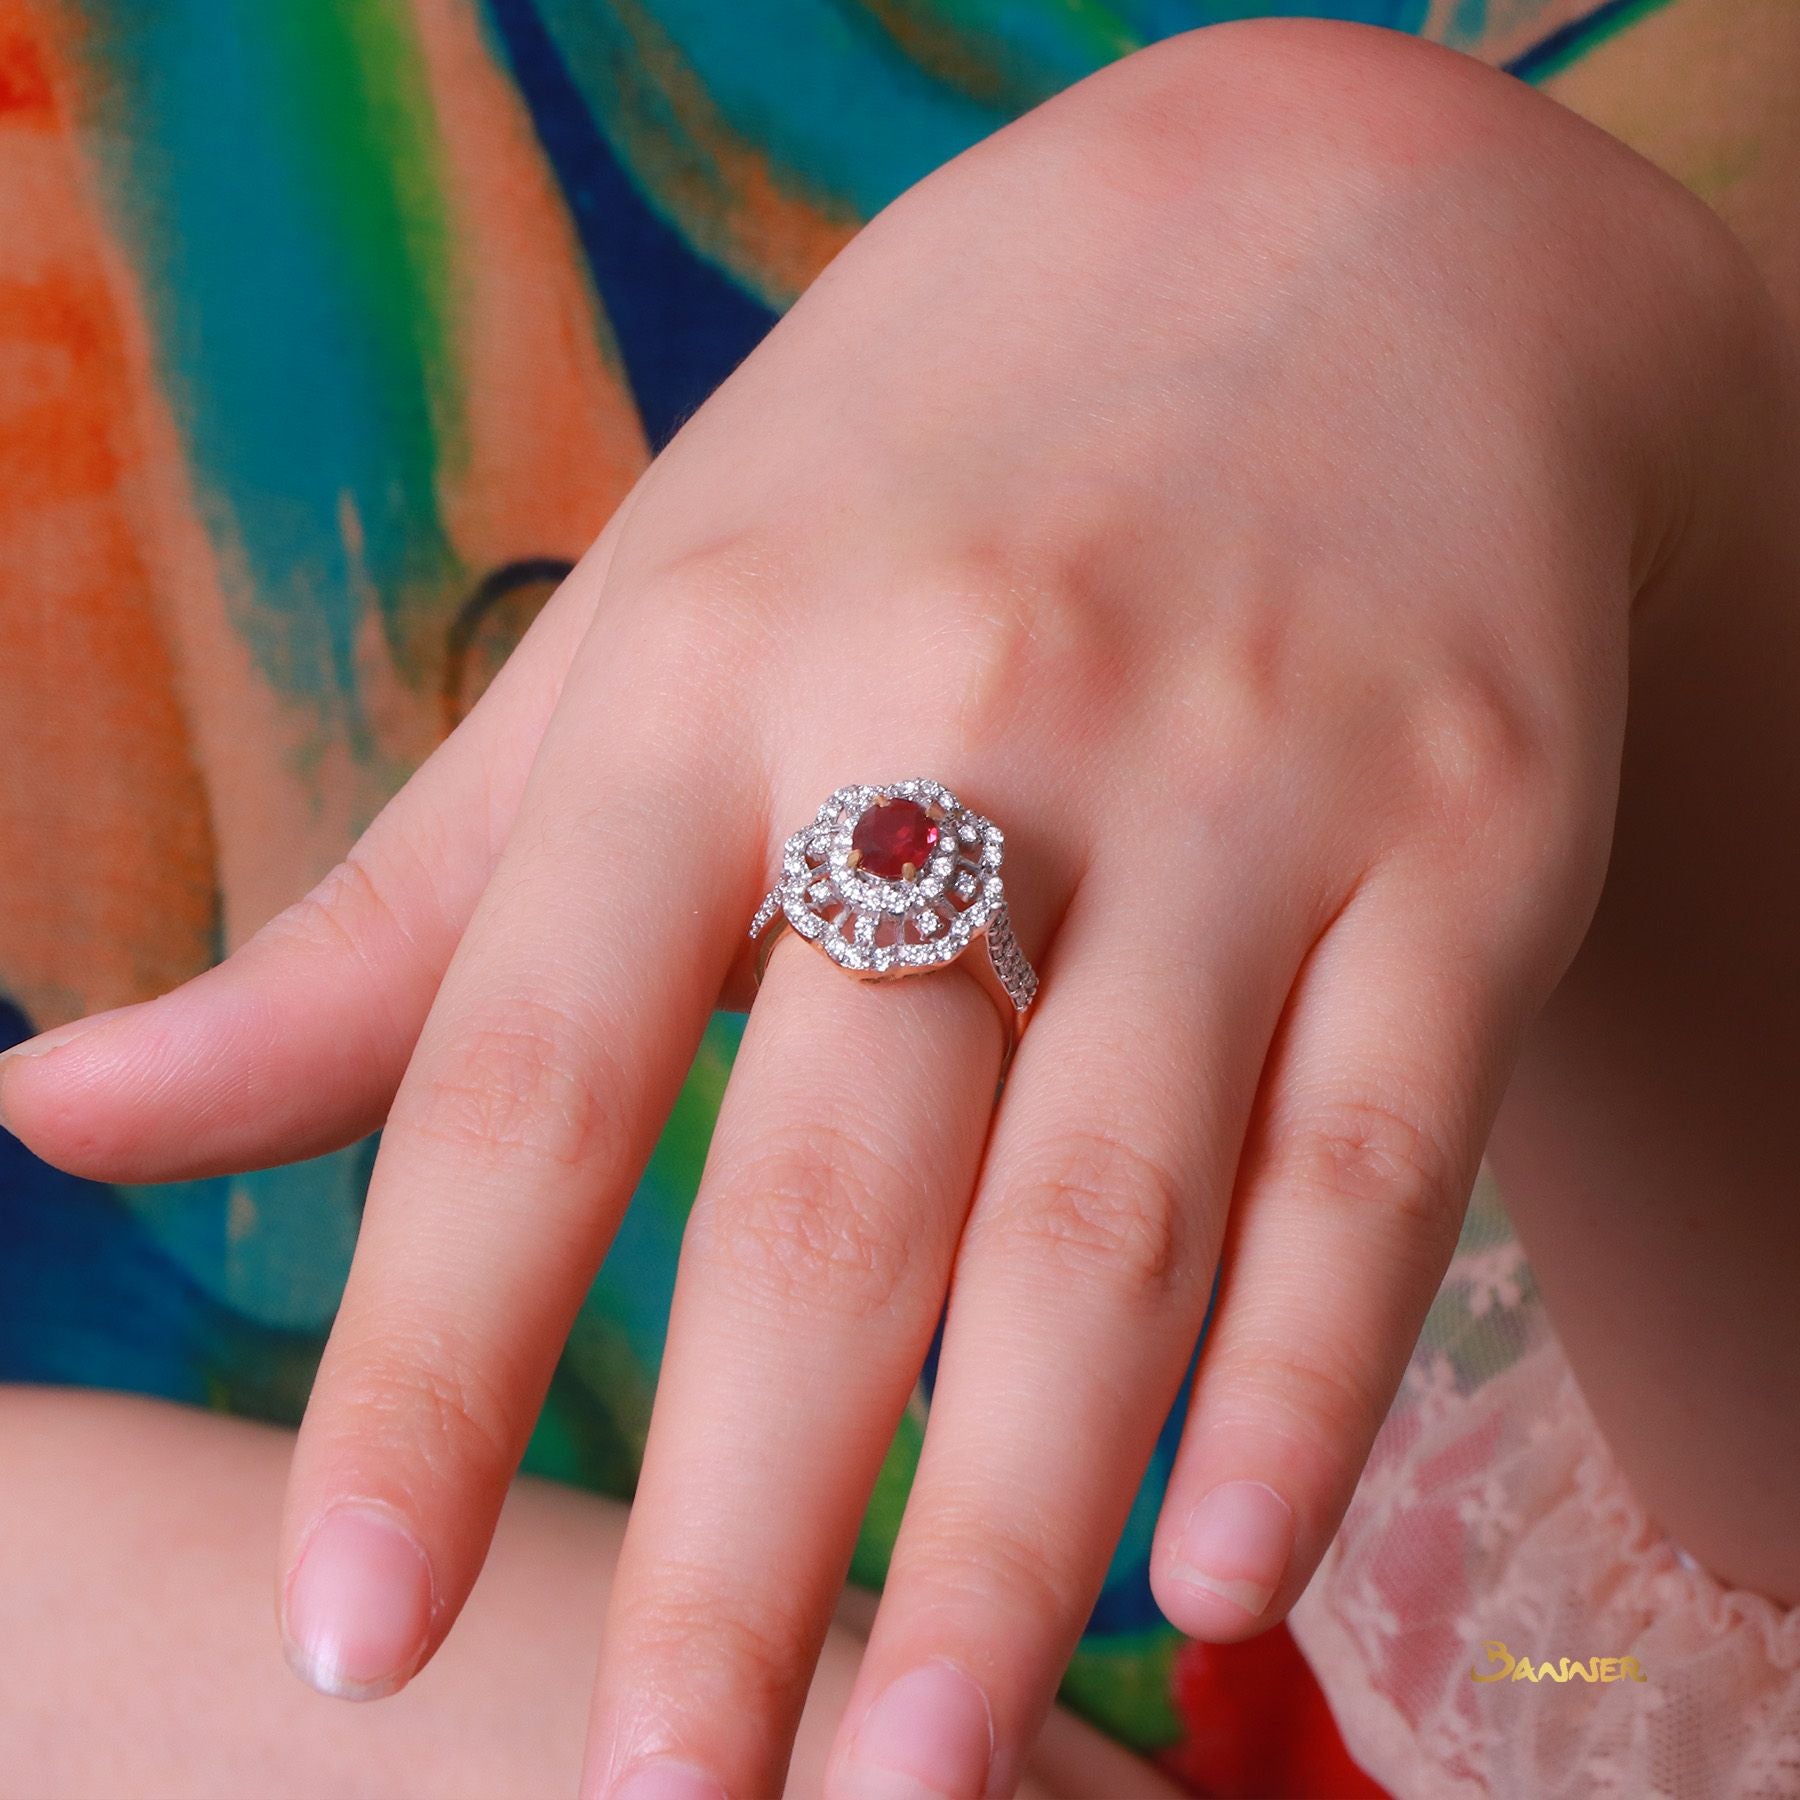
330,333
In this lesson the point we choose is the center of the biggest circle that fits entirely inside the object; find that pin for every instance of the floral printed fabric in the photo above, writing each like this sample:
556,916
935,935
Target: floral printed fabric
331,331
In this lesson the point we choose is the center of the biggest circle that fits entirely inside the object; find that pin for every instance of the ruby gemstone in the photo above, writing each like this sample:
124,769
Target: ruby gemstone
892,834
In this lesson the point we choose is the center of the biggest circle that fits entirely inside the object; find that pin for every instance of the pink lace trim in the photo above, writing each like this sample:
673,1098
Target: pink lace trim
1681,1581
1492,1510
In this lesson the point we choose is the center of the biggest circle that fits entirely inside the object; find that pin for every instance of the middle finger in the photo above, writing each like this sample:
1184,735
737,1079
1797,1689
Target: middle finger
1081,1285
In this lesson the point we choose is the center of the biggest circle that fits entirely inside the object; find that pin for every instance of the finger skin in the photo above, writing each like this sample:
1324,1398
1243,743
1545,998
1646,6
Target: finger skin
810,1282
549,1060
1081,1285
1376,1103
295,1043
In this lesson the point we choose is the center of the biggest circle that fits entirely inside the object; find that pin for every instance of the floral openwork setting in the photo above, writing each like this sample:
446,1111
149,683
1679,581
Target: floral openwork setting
888,880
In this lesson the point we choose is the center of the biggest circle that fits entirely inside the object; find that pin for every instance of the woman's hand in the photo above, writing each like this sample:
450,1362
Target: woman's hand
1237,479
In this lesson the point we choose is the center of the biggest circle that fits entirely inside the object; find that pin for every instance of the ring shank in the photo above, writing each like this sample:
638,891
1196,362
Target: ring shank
979,965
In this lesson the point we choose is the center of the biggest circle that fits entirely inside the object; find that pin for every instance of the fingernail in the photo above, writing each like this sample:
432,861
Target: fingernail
1236,1544
666,1780
358,1605
46,1041
929,1736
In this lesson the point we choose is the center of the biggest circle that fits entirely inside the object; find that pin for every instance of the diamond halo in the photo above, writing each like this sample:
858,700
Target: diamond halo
876,925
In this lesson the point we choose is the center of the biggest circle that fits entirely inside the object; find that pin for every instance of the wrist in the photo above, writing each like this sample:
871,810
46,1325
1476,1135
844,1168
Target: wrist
1636,325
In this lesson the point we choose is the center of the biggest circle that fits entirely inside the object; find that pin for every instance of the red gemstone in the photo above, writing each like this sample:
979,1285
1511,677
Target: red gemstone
892,834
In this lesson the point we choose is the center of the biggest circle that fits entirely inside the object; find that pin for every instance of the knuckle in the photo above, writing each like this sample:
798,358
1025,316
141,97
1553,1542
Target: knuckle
429,1398
348,910
1095,1207
1369,1155
967,1553
1480,767
519,1085
355,915
662,665
806,1220
692,1619
1306,1395
709,613
1019,616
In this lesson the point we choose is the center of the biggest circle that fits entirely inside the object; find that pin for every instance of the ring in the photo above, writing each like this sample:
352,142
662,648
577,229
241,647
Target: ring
891,881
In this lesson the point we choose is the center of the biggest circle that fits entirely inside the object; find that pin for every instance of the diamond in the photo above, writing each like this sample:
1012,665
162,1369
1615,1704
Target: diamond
850,955
965,885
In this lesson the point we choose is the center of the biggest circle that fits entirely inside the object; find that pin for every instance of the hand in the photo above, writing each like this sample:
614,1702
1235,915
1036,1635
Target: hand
1236,479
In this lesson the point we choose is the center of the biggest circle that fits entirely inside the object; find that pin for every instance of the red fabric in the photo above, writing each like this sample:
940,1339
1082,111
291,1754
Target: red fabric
1258,1726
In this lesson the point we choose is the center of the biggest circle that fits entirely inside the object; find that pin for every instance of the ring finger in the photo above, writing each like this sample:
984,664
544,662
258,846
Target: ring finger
810,1283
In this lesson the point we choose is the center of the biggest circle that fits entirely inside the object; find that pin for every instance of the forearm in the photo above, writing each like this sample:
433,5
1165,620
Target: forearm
138,1651
1646,1146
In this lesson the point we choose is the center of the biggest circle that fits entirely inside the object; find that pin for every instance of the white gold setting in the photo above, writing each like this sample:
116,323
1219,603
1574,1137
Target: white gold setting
875,926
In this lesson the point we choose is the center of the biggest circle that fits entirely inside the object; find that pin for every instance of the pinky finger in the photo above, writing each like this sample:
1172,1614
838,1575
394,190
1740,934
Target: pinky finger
1375,1107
